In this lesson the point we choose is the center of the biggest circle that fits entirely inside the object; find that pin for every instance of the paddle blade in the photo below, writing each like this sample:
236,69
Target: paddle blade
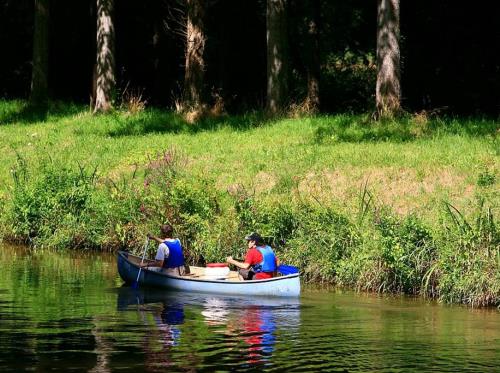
135,284
287,270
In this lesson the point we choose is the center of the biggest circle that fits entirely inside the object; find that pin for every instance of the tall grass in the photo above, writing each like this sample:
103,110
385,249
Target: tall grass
469,262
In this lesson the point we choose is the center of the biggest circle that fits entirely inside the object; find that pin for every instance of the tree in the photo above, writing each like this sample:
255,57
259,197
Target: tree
195,47
105,64
388,90
40,72
277,73
313,58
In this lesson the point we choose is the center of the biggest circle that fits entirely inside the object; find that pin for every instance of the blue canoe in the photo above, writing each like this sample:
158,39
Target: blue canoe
196,281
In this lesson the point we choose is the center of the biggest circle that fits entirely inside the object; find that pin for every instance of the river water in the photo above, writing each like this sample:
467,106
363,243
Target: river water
69,312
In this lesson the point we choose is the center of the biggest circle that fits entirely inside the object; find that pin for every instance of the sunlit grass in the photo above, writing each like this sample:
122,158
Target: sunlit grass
410,165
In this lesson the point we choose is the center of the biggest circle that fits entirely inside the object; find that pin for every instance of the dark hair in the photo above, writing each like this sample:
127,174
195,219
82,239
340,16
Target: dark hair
254,236
167,229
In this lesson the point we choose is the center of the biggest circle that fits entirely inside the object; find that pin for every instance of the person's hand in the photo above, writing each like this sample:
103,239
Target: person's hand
229,259
150,236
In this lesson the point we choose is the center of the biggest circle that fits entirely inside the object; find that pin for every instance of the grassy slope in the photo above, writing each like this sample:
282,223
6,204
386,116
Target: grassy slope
411,165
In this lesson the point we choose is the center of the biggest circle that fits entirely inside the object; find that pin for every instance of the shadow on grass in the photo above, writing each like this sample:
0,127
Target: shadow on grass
119,124
24,113
158,121
357,129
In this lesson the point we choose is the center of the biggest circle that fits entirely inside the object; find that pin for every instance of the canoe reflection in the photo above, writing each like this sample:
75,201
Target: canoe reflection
251,323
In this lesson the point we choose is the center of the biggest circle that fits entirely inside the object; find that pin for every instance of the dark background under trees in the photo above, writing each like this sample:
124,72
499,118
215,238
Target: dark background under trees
449,53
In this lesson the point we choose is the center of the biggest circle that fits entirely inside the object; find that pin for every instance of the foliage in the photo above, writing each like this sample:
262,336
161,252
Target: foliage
348,80
486,178
407,253
294,181
50,205
469,260
396,255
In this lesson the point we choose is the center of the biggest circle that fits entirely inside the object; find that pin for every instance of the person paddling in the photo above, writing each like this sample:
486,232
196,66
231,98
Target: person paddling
169,256
260,261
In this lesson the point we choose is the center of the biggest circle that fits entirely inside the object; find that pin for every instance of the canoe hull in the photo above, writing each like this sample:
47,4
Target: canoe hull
284,286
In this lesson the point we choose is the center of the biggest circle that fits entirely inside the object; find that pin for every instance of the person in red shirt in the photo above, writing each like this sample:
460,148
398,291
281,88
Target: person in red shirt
260,261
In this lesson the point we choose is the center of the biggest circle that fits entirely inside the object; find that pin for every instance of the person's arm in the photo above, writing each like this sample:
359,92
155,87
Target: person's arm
151,237
242,265
158,262
161,254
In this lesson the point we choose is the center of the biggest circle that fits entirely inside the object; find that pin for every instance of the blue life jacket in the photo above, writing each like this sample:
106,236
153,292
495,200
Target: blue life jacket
268,263
175,256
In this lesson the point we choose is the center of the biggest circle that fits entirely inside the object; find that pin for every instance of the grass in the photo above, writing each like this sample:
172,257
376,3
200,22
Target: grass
407,165
354,202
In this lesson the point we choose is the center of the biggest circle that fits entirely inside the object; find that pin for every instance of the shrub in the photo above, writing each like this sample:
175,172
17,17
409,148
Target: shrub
406,254
395,255
321,239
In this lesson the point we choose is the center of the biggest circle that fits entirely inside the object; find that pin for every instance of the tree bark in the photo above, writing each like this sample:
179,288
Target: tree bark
277,79
40,72
105,64
388,90
313,64
195,47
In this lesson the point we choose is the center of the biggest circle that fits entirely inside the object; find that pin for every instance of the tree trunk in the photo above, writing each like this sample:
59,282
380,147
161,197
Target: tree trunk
313,60
388,91
105,64
277,84
195,47
39,79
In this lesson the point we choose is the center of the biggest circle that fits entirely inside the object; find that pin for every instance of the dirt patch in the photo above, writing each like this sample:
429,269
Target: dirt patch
264,182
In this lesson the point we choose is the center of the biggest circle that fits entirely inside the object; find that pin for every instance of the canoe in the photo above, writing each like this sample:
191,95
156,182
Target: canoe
197,281
128,296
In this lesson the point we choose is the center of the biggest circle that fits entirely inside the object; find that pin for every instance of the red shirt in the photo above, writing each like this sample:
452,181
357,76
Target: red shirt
255,257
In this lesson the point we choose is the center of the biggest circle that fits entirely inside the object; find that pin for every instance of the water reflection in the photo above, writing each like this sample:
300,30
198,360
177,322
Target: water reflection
248,325
65,311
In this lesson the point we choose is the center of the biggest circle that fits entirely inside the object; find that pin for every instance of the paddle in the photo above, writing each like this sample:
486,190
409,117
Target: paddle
287,269
135,284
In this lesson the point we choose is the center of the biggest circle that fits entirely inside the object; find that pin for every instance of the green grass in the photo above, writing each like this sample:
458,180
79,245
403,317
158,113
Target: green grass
408,165
359,203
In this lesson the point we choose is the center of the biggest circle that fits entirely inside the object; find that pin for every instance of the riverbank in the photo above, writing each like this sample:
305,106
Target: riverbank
400,206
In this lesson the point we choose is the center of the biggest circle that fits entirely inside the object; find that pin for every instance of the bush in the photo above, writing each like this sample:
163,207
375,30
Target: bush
407,253
322,238
396,255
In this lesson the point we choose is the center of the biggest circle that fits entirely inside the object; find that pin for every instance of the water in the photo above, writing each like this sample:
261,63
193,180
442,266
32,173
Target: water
69,312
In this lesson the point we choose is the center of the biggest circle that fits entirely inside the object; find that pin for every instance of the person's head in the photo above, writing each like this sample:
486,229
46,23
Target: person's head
166,230
254,239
